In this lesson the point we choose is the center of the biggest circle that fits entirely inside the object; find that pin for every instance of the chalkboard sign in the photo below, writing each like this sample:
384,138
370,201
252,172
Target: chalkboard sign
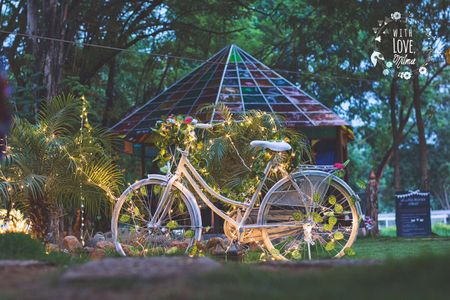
412,214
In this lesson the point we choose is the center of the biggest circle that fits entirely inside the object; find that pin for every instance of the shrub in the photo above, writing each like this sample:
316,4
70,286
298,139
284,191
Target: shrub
23,246
20,246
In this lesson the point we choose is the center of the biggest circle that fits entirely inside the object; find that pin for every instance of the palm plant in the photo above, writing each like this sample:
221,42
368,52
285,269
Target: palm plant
50,166
237,167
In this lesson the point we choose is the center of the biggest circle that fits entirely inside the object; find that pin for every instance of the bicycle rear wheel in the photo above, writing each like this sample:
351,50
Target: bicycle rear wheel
320,215
175,231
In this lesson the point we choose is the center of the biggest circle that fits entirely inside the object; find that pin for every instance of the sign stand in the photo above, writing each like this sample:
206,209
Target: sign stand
412,214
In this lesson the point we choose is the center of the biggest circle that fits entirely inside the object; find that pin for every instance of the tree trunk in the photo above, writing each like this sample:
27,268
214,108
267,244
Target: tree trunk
55,20
395,134
56,225
36,78
47,18
107,112
39,215
372,204
423,153
76,226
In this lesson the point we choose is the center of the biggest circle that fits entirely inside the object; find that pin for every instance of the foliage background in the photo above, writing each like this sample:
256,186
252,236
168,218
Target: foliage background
323,46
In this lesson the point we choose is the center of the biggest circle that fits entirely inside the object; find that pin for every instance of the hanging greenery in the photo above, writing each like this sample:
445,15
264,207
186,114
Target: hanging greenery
223,155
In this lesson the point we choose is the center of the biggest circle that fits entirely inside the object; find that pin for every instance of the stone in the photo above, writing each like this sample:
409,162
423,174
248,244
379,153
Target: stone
72,244
104,245
95,239
156,267
216,246
97,254
52,248
179,244
88,249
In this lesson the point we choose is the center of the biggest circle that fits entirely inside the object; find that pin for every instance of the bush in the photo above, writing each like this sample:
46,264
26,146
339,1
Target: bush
23,246
20,246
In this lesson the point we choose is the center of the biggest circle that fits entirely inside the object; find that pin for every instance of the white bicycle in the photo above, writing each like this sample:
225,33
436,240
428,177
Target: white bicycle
309,214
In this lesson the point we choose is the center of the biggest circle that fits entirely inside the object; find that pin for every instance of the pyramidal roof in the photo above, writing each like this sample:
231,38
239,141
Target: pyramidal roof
236,79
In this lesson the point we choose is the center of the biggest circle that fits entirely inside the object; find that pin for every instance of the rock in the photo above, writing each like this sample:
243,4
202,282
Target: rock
157,267
97,254
216,246
104,245
98,237
72,244
179,244
52,248
217,250
88,249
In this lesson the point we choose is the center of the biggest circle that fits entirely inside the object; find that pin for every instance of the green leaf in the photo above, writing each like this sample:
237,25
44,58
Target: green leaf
332,221
332,199
189,234
172,224
136,211
124,218
338,208
327,227
295,254
193,251
316,197
330,246
338,236
298,216
317,218
275,252
340,173
361,184
172,250
349,251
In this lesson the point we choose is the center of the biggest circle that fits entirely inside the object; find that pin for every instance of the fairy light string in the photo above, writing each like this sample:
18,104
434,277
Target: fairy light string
84,123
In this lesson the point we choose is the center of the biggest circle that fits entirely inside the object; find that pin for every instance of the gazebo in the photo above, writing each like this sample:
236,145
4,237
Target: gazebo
234,78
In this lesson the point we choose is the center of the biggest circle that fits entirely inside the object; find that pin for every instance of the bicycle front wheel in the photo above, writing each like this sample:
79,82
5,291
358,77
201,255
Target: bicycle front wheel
319,214
174,231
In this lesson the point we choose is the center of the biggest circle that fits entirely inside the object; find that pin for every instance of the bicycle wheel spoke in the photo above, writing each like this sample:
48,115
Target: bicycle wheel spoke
135,229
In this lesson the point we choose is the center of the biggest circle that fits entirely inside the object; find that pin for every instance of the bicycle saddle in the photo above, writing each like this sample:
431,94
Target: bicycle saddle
274,146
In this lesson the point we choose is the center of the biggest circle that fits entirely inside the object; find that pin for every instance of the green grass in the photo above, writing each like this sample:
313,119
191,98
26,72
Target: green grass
420,278
22,246
411,269
424,277
439,229
398,248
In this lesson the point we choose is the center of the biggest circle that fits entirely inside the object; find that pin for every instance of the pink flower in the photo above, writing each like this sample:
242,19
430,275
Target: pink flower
188,120
339,166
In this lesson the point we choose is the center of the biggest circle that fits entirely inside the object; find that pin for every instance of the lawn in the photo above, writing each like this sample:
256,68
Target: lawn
411,269
396,248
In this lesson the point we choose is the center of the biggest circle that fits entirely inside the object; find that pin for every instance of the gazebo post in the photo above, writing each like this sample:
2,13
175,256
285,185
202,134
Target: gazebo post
339,153
142,160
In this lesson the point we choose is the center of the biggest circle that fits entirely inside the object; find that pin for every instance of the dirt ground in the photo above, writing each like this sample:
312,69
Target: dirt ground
153,279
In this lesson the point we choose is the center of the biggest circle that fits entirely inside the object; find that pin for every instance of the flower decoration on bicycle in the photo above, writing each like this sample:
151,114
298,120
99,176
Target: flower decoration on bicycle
250,164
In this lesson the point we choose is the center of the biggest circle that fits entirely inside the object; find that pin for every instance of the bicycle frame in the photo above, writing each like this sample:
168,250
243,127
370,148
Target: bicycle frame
185,169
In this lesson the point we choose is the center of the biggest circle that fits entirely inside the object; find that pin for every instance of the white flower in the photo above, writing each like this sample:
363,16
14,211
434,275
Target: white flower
407,75
388,64
396,16
423,70
385,72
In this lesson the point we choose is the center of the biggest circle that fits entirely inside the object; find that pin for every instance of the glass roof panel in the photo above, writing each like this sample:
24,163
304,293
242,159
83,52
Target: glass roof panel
236,80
